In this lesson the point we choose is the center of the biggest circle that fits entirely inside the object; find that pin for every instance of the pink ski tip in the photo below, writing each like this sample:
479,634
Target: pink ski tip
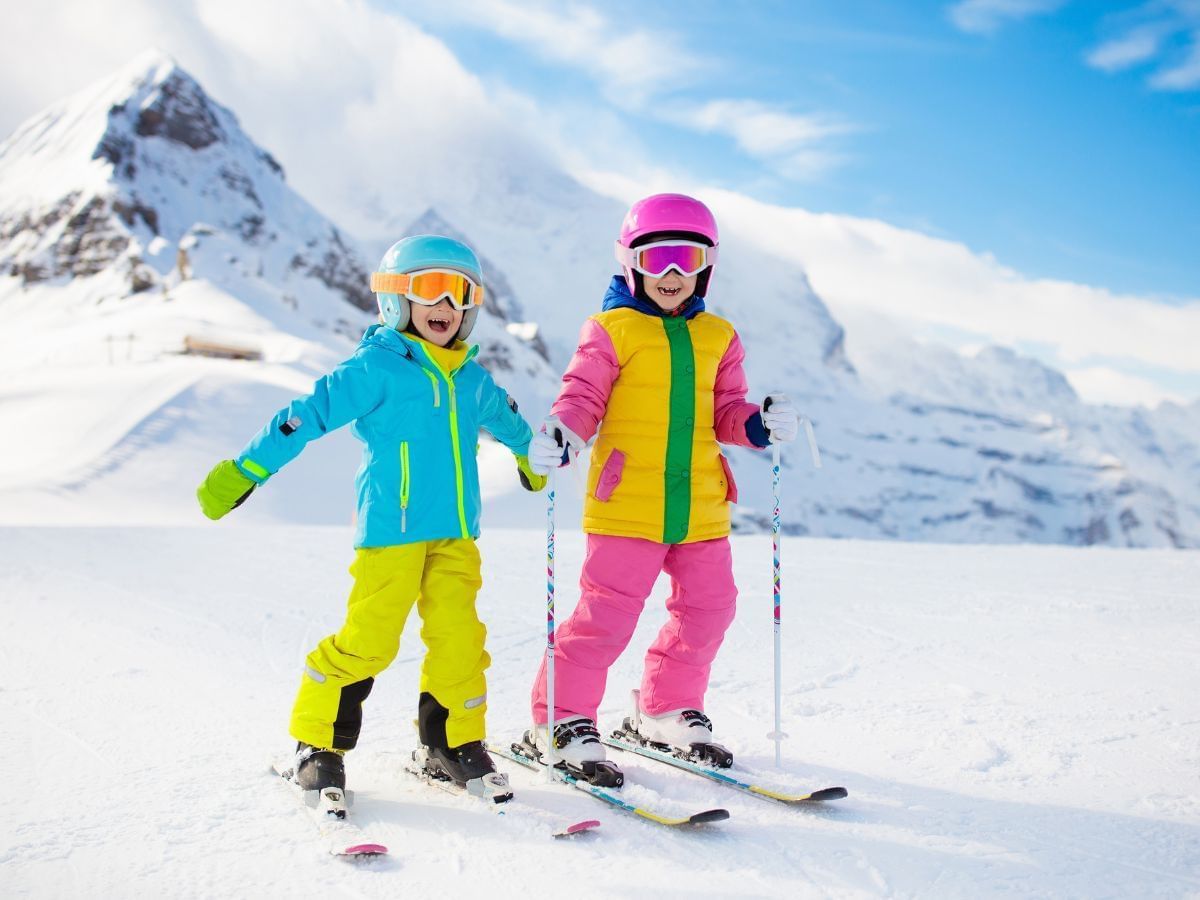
364,849
583,826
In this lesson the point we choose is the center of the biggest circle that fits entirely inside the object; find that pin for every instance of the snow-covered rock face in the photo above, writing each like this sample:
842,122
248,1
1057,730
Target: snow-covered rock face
146,176
118,175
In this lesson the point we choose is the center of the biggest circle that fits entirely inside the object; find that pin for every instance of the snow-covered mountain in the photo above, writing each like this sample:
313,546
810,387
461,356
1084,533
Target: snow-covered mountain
137,215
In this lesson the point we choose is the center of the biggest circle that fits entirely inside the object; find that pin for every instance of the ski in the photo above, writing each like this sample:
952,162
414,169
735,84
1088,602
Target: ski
330,810
506,808
619,742
701,818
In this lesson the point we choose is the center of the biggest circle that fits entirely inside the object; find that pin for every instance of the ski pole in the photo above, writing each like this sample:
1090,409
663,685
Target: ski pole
550,626
777,735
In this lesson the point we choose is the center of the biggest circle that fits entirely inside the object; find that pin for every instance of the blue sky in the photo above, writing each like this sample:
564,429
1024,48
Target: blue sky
1062,137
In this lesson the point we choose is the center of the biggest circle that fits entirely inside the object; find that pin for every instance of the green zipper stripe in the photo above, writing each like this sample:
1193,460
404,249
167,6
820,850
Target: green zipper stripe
405,481
404,474
458,472
677,508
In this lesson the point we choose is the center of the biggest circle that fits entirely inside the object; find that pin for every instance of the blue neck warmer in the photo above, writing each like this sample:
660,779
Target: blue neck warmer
618,296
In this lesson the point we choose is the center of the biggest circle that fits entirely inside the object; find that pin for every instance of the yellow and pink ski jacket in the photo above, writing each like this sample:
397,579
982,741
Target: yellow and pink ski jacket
660,393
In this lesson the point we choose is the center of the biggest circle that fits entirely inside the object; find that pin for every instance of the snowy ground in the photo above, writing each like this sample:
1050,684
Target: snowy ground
1008,721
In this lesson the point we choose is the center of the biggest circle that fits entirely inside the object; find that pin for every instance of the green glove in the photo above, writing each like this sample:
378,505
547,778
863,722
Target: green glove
224,489
530,480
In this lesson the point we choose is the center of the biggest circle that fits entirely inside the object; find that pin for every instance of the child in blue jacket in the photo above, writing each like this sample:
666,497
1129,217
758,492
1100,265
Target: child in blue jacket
416,399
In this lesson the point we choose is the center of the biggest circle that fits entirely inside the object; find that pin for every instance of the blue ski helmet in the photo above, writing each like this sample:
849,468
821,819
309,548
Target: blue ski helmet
426,251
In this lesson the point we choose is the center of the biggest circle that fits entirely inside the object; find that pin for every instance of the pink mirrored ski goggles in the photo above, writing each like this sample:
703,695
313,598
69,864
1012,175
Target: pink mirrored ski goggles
685,257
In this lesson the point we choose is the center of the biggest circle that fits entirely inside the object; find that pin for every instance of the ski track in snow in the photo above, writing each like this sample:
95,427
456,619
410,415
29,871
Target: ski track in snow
1008,721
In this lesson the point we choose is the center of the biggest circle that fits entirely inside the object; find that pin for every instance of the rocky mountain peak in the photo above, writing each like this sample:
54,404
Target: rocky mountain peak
109,178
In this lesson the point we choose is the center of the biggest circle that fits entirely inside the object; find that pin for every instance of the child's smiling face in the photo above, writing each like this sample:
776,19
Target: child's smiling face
671,290
437,324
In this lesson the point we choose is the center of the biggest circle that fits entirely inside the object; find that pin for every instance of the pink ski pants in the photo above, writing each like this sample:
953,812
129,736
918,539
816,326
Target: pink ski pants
618,575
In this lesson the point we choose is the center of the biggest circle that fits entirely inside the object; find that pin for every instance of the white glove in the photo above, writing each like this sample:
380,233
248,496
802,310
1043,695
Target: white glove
779,417
545,453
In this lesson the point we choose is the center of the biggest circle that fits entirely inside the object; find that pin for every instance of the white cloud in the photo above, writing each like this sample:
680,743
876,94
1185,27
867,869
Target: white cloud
643,72
1184,75
628,63
793,144
762,130
1149,42
986,16
1102,384
1135,47
934,285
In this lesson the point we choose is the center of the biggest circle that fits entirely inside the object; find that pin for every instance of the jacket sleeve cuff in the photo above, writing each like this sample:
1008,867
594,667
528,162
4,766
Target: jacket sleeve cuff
252,470
757,432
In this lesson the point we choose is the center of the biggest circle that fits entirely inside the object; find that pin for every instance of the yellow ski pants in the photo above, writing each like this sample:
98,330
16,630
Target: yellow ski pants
442,578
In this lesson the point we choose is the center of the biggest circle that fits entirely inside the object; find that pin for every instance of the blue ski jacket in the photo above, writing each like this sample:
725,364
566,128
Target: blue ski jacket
419,425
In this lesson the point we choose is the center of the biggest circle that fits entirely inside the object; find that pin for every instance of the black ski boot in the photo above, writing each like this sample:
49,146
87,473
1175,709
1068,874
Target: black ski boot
460,764
468,765
317,769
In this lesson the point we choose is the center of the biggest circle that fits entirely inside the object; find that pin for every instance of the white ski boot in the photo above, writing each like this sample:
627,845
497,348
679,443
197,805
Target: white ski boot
686,733
577,748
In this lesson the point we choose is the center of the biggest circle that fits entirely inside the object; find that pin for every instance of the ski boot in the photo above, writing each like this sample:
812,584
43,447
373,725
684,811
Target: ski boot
577,749
468,765
321,774
685,733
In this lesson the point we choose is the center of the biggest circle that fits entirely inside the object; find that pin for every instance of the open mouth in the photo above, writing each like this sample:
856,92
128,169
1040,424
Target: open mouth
438,324
669,292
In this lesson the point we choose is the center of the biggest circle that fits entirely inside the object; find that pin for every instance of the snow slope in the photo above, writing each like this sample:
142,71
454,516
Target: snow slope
1008,721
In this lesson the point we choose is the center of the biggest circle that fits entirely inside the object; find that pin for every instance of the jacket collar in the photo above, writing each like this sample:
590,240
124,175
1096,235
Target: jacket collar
408,347
618,297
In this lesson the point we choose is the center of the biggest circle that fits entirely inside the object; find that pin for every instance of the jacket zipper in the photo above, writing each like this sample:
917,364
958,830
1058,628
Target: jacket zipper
458,474
454,442
404,485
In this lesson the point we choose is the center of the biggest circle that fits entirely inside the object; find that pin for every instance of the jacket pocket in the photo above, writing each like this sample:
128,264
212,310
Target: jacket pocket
610,475
730,484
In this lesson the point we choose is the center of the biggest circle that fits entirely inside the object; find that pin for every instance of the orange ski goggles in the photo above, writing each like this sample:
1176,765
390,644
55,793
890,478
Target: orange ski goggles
429,287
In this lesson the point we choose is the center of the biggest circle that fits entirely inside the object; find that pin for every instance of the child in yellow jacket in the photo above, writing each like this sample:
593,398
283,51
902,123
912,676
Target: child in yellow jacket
659,382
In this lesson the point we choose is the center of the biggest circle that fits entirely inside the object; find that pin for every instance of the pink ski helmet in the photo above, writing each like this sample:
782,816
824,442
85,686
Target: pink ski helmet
663,216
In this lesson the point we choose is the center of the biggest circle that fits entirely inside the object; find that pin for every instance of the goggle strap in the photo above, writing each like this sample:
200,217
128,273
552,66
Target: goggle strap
390,282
